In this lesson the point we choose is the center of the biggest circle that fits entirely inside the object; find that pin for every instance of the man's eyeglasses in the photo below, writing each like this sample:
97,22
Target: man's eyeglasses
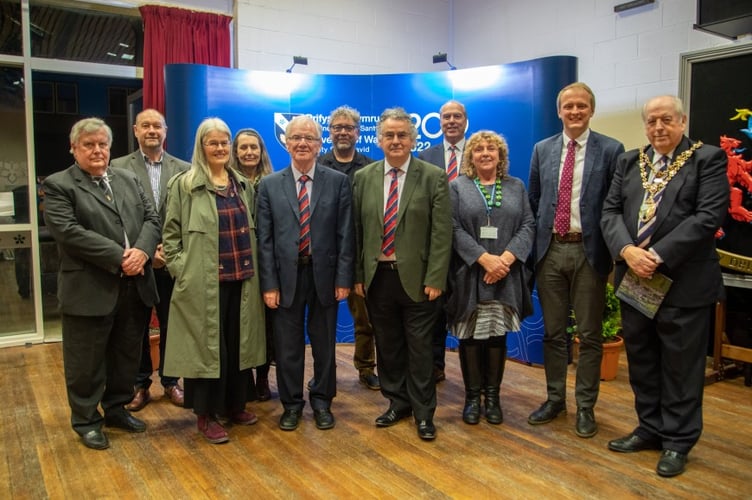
217,144
342,128
303,138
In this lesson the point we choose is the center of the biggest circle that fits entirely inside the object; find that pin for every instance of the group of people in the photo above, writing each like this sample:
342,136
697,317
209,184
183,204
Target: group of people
241,262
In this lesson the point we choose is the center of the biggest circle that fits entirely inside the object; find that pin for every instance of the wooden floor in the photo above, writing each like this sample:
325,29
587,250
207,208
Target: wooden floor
43,458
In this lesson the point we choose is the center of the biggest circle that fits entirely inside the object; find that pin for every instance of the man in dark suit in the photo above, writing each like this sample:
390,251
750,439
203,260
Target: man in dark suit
304,226
106,229
660,216
448,156
154,167
570,174
344,131
403,230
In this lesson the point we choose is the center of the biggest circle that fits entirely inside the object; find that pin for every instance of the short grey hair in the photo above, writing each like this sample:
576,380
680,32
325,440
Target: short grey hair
89,126
398,114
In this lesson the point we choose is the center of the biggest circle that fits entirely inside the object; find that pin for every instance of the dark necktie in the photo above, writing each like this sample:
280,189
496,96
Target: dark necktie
452,170
104,184
390,215
304,242
564,206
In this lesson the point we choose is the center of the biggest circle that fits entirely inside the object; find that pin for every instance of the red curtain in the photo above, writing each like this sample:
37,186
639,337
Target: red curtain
180,36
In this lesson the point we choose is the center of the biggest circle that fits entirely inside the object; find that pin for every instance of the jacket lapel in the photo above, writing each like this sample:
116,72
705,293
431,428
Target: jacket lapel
290,191
412,178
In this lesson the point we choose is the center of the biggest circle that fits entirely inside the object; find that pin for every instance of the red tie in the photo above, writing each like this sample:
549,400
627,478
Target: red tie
304,242
452,169
563,208
390,215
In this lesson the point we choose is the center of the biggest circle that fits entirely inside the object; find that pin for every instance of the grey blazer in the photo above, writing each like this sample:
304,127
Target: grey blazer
543,190
332,237
434,155
170,166
90,234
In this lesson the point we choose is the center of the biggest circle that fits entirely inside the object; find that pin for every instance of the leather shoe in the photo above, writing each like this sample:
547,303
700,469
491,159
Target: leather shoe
672,463
262,389
95,439
324,419
547,412
585,426
392,416
439,375
426,430
126,421
289,420
311,383
140,399
370,380
244,418
632,443
176,395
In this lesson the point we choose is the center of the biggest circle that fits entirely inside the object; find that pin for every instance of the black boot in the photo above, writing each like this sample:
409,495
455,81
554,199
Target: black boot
471,374
496,355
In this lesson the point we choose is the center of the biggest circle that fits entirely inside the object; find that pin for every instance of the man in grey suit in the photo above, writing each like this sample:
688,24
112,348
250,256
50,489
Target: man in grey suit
403,230
448,156
154,167
660,217
306,251
106,230
569,178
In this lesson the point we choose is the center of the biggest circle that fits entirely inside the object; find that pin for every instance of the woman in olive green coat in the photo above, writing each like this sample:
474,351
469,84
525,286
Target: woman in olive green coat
216,325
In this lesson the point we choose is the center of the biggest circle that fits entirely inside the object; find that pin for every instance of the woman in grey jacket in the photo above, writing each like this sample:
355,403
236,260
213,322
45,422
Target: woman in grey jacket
494,230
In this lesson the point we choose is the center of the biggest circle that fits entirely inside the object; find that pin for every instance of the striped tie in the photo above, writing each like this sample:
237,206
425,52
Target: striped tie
304,242
390,215
452,170
645,228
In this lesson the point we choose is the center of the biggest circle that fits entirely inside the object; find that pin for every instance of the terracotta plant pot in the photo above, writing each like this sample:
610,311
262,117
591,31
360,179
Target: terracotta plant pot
154,345
610,360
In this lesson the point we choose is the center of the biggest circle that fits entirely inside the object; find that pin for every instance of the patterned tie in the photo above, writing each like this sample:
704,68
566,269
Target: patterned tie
104,184
304,242
452,169
645,228
390,215
564,208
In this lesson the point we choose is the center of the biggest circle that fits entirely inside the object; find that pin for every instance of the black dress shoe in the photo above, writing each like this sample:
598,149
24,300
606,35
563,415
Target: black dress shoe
370,380
289,420
672,463
632,443
95,439
311,383
392,416
126,421
547,412
324,419
426,430
585,426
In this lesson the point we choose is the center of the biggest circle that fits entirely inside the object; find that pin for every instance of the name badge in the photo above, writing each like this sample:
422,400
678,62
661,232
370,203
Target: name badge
489,233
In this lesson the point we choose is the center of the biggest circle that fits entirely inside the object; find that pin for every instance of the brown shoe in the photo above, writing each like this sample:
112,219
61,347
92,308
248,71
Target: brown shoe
212,430
140,399
175,393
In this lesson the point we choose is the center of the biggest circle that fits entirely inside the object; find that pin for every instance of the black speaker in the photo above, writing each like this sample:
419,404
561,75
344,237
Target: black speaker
726,18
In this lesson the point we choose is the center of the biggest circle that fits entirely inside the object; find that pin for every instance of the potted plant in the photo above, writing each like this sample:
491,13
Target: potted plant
610,330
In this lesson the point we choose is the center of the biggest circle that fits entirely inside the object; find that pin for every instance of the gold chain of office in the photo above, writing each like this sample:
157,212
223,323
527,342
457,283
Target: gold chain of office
662,177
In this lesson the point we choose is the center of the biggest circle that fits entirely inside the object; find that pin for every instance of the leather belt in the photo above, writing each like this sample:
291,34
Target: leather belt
304,260
388,265
568,238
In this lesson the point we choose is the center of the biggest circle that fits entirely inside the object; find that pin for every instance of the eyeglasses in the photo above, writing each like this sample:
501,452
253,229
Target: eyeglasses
400,136
341,128
217,144
303,138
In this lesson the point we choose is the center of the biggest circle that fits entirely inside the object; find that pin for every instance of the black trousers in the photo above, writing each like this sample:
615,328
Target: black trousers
404,336
667,372
165,283
100,358
289,345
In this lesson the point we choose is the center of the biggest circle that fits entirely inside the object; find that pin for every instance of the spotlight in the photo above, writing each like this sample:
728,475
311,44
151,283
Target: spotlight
297,60
441,57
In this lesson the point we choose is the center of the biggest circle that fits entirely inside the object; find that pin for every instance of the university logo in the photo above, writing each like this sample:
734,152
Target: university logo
280,124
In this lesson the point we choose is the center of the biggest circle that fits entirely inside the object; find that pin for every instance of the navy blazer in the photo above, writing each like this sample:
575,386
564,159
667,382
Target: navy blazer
90,235
693,207
332,237
435,155
543,189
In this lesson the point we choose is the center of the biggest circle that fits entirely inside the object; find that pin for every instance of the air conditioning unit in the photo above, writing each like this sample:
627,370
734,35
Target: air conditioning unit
727,18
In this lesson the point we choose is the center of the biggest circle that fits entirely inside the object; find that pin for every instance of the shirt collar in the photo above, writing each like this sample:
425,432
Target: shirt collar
388,167
460,145
297,174
581,140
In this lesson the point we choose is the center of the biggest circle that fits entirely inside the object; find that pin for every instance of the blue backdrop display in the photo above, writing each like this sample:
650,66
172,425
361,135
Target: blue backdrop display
517,100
